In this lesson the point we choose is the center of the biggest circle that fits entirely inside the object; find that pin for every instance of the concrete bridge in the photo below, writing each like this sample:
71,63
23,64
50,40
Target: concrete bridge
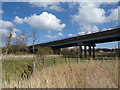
89,40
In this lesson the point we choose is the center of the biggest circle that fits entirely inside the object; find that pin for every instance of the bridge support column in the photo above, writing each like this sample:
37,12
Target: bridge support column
56,50
89,51
80,50
59,51
93,51
85,53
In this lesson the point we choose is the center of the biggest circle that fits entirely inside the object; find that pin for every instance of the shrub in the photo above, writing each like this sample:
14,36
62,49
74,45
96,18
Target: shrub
41,52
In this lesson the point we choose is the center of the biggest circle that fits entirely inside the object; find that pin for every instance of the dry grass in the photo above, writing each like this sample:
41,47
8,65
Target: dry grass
88,74
18,57
23,57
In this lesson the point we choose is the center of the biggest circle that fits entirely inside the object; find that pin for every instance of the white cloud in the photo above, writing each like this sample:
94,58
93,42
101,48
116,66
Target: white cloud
16,30
48,5
90,28
22,37
60,34
104,29
71,35
114,15
5,24
81,33
5,32
19,20
45,21
61,0
14,35
49,32
49,36
91,14
1,12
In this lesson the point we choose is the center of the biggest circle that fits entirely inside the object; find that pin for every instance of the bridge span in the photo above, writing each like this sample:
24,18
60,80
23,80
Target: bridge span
89,40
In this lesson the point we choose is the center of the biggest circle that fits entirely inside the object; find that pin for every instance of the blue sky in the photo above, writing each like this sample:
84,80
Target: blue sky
54,20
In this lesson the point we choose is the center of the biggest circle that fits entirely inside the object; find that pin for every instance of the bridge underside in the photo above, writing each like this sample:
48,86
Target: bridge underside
91,49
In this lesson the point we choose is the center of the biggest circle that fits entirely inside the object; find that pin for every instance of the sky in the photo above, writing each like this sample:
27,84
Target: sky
58,20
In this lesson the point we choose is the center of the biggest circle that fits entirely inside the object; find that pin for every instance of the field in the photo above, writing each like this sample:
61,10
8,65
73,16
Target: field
16,67
64,74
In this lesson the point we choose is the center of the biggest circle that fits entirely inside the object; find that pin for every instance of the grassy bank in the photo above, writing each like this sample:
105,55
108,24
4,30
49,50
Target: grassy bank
84,74
16,67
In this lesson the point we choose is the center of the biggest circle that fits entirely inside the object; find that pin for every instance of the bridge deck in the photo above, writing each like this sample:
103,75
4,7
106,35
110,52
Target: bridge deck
98,37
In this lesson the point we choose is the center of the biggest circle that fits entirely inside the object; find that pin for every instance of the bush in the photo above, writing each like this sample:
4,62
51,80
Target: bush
69,53
44,51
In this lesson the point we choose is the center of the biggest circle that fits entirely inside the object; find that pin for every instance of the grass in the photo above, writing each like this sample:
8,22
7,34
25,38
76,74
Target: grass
84,74
106,54
15,68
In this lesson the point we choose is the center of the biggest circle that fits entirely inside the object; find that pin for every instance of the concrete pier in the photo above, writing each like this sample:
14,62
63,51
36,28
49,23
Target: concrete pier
80,51
85,51
91,50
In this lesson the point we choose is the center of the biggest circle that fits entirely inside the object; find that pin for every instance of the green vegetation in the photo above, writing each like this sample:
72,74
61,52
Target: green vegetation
100,74
16,68
106,54
69,52
41,52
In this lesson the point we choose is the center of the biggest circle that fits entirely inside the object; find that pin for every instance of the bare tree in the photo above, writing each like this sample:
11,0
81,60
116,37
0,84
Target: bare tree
9,40
34,39
21,42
